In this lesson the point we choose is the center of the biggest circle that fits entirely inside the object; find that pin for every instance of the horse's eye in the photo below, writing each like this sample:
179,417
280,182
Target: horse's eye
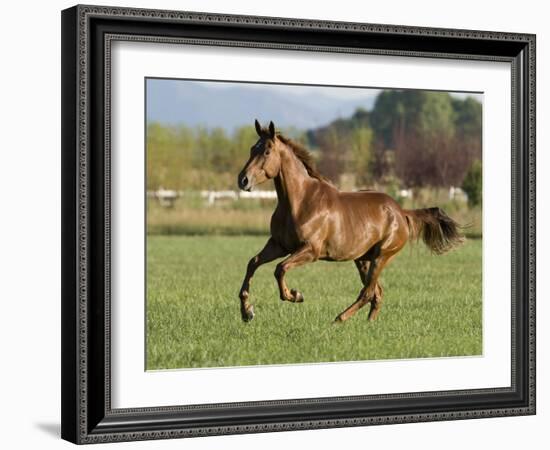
267,152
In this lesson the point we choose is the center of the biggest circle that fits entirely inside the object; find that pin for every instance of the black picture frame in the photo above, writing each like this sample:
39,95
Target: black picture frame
87,416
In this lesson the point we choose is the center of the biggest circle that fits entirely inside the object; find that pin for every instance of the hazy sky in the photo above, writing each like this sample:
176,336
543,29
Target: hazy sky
337,92
229,104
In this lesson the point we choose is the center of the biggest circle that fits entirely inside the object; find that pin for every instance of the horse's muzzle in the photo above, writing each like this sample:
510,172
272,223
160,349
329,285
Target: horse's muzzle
243,182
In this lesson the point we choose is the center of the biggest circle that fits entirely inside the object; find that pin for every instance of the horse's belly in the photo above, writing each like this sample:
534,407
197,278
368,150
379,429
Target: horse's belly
342,254
351,245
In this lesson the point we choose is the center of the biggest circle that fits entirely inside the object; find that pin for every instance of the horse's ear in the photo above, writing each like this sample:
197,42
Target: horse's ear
258,127
271,130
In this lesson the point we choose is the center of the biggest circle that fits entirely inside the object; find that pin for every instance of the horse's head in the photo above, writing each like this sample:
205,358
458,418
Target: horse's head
265,159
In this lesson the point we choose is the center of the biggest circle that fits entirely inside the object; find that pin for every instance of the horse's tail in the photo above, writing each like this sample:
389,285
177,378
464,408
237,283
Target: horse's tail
438,231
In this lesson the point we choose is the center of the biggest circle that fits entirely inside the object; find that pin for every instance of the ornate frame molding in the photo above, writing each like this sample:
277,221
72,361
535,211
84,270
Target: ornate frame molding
84,421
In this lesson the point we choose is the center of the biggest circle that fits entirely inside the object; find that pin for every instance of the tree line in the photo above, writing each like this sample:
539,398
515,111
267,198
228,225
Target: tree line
412,138
181,157
421,138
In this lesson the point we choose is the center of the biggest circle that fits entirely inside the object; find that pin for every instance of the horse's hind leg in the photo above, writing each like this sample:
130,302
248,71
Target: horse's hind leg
365,268
376,302
372,290
361,301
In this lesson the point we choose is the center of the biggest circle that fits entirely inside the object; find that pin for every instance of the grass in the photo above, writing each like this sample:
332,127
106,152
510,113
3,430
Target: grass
432,307
192,216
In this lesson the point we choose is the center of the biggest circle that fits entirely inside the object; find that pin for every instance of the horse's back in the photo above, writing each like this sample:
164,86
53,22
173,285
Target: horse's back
369,200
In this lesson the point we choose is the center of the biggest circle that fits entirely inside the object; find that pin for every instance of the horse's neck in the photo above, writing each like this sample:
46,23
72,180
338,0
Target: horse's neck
291,182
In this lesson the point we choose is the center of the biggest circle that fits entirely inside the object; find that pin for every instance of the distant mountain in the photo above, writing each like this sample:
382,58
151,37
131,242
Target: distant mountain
232,105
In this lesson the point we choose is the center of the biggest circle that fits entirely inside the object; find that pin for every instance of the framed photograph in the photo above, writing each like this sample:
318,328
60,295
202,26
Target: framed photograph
277,224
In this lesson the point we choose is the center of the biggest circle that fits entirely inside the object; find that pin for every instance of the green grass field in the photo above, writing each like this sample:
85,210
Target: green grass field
432,307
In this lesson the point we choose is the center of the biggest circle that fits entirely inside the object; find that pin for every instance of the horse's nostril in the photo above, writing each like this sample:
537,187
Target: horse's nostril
244,181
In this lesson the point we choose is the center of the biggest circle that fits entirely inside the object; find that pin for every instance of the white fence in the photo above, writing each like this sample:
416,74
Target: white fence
167,197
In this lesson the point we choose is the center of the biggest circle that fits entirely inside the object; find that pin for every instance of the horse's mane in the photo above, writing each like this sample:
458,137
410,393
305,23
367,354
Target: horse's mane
304,156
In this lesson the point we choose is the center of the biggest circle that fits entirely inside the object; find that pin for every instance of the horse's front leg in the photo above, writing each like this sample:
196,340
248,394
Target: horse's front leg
271,251
305,254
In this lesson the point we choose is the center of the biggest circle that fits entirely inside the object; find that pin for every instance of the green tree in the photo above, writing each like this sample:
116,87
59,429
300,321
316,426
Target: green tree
361,154
473,185
389,113
168,155
436,116
239,151
201,148
468,117
424,113
332,144
219,158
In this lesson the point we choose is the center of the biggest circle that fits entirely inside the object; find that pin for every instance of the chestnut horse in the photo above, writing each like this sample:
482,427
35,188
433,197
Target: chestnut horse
314,221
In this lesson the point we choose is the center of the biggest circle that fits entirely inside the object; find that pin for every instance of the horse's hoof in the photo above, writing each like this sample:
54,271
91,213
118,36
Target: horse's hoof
248,314
297,296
